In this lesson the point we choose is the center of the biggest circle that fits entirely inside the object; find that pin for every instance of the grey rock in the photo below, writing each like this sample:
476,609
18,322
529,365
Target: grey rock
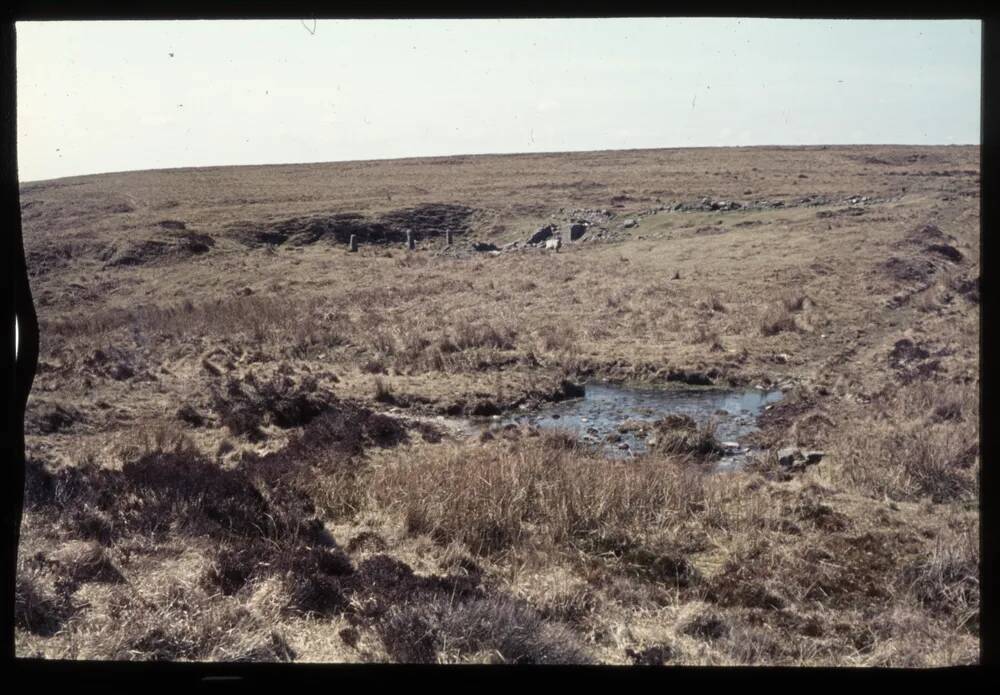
629,223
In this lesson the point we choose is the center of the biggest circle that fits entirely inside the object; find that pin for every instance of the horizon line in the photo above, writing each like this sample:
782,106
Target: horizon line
496,154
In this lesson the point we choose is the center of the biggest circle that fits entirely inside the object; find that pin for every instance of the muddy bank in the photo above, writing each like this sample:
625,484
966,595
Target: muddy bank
423,221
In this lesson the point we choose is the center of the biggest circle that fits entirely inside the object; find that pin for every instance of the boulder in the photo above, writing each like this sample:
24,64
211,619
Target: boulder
789,456
634,426
629,223
813,457
542,234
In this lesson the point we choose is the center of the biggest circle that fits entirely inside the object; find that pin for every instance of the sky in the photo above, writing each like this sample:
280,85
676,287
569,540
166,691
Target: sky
97,97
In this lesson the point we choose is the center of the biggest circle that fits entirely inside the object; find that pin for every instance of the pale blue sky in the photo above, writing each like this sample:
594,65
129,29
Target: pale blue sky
107,96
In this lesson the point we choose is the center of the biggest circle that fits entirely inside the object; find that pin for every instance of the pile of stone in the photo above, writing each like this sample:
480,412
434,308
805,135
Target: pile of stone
706,204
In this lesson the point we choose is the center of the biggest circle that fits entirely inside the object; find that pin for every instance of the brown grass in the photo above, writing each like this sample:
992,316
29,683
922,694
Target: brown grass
282,360
536,491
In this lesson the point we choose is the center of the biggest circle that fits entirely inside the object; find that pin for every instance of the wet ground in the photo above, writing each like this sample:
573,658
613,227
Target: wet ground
605,407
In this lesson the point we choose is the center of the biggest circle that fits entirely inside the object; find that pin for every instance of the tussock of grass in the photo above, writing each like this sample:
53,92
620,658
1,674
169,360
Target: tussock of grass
468,334
908,451
243,314
249,403
777,320
506,630
947,582
38,608
383,392
500,496
175,622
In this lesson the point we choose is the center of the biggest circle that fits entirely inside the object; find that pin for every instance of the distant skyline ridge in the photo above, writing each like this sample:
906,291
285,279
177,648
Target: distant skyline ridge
510,154
108,97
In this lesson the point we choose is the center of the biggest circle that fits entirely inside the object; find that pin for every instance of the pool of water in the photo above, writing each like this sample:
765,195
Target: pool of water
604,407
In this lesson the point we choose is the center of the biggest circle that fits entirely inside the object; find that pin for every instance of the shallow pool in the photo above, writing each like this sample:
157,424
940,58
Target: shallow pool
604,407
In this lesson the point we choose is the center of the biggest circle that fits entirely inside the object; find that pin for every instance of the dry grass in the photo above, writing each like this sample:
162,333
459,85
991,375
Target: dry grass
908,450
542,491
523,549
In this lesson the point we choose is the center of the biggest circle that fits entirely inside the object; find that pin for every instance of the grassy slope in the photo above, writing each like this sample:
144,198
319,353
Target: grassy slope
868,558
